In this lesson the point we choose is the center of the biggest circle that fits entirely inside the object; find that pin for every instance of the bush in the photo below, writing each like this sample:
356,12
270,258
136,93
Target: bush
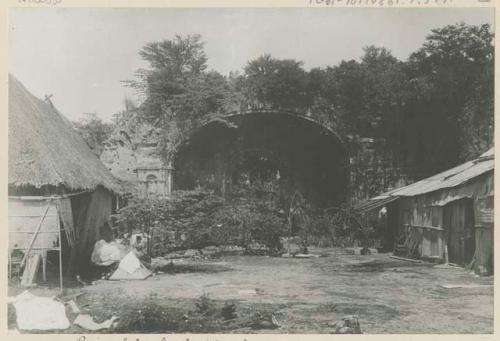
181,221
205,306
196,219
228,311
341,226
250,215
243,224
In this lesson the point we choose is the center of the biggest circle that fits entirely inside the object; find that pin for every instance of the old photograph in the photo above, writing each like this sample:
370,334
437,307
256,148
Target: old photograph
250,170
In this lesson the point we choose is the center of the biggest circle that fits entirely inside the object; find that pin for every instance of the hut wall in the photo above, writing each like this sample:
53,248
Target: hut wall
420,220
92,212
25,216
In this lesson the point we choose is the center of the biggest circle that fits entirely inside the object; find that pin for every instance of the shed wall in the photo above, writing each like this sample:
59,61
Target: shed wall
420,221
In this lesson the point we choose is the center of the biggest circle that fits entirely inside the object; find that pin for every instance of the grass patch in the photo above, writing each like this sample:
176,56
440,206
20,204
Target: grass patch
361,310
172,268
206,316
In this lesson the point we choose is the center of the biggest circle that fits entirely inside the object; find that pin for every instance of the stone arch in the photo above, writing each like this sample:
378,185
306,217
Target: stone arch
304,154
151,177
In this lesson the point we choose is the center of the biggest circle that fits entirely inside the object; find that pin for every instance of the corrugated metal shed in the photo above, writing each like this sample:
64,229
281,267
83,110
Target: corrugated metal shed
448,179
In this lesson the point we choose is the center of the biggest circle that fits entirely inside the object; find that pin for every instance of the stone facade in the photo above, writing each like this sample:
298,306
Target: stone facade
154,181
130,149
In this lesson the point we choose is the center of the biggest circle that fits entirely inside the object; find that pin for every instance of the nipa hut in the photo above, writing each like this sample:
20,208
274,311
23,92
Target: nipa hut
61,196
445,218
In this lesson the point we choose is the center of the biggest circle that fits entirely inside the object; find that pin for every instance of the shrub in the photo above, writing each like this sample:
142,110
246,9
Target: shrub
205,305
181,221
340,226
228,311
250,222
196,219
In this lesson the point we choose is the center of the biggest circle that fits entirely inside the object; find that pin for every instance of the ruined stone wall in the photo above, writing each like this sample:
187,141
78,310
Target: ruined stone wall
130,147
373,170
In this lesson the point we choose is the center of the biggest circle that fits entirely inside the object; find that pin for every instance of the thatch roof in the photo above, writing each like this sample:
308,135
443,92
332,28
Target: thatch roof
44,149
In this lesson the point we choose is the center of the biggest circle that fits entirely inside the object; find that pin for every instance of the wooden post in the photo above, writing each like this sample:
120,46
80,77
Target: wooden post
60,255
31,269
44,265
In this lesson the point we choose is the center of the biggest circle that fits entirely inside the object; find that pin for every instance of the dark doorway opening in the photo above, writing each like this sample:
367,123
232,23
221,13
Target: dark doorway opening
459,226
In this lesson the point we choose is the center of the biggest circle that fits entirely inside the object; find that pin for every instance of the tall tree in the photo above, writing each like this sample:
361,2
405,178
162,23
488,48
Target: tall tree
434,110
178,90
274,83
451,91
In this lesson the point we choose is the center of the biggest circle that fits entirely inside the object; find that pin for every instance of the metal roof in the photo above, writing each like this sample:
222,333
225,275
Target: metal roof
450,178
372,204
490,152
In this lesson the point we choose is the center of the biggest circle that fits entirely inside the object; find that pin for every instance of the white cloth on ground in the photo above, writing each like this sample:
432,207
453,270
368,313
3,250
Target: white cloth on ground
39,313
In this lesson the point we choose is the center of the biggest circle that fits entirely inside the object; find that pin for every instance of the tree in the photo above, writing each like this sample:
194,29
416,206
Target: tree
274,83
358,97
477,121
450,87
93,131
179,93
344,89
179,56
382,93
434,110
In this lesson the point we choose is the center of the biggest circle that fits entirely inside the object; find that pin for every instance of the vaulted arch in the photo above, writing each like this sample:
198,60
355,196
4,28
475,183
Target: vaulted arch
295,150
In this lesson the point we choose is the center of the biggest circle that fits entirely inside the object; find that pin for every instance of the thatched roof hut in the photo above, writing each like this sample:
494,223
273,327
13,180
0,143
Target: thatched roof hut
45,150
61,196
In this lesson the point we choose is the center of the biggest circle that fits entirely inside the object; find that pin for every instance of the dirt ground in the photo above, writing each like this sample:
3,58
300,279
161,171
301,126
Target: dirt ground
308,295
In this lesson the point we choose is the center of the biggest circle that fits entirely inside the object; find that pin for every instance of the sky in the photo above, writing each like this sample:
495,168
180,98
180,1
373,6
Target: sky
81,56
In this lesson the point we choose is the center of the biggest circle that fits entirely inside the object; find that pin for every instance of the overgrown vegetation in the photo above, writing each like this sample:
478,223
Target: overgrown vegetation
336,226
181,222
94,131
251,219
446,85
196,219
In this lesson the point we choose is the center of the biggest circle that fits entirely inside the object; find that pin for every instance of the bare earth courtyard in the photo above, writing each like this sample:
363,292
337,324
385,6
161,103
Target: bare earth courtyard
308,295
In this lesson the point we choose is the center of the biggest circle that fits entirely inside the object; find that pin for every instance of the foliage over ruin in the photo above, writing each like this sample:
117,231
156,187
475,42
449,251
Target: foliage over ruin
445,85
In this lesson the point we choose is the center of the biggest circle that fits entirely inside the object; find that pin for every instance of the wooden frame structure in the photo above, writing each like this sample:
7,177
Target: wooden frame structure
45,235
